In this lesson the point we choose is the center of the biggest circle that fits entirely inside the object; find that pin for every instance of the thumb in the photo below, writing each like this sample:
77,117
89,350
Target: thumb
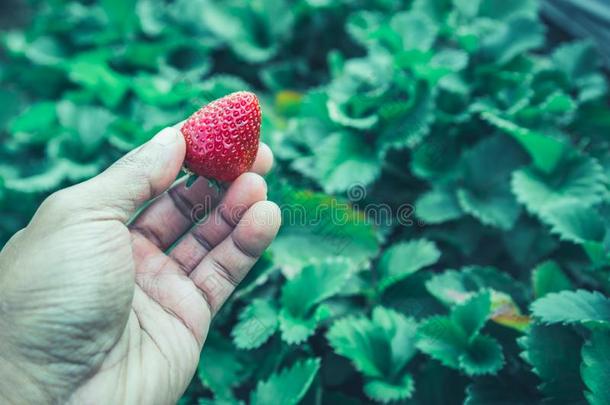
140,175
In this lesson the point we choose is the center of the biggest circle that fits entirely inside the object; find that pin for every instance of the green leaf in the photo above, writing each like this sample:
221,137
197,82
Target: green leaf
546,152
88,124
528,243
469,8
416,30
337,114
573,307
499,391
452,287
314,284
437,10
150,17
490,162
558,103
554,354
219,369
57,173
456,342
257,322
12,102
575,223
253,31
340,161
379,348
496,208
443,69
577,60
362,24
438,206
413,124
35,120
354,97
300,295
483,356
486,194
109,86
517,36
440,338
161,91
405,258
449,287
593,87
595,368
120,14
288,386
385,392
472,314
310,222
296,329
579,180
436,159
548,278
46,51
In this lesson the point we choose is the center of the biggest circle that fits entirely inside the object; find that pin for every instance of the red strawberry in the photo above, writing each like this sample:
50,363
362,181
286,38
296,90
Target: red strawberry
222,137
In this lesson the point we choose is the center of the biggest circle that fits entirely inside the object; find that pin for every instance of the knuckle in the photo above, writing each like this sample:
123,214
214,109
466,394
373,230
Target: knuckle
58,202
139,166
138,161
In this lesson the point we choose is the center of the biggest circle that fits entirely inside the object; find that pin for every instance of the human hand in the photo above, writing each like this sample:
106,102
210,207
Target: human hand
97,309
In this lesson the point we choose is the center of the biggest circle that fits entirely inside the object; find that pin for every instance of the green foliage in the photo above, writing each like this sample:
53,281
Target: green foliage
302,295
405,258
573,307
214,373
287,386
257,322
456,340
548,278
380,349
595,367
545,349
311,234
442,166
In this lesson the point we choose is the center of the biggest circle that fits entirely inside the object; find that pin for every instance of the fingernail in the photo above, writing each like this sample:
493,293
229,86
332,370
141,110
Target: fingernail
167,136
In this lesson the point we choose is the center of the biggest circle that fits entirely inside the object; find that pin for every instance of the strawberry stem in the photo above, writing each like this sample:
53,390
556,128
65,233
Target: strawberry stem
215,184
191,179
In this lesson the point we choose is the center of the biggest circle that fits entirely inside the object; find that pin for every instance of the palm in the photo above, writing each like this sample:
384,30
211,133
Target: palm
156,348
175,294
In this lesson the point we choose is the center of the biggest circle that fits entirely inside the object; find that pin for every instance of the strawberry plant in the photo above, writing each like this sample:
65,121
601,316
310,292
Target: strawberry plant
442,166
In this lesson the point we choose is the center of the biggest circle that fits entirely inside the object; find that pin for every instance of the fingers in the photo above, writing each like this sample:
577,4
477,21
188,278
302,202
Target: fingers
248,189
264,160
174,212
228,263
137,177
